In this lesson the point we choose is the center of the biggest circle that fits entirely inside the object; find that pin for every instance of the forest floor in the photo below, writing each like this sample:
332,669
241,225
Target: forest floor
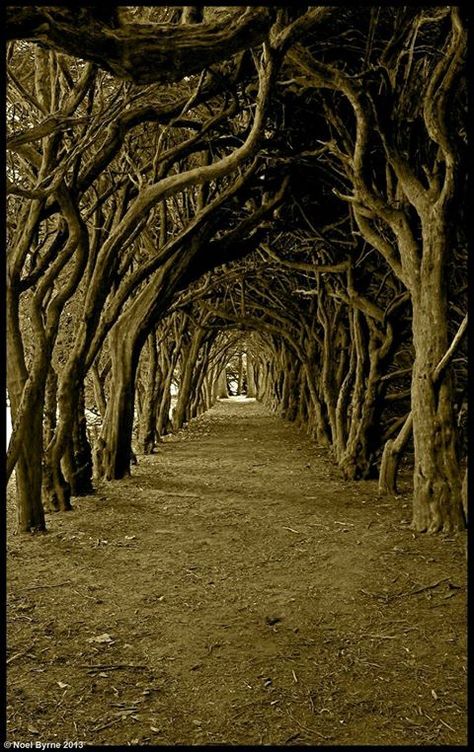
236,591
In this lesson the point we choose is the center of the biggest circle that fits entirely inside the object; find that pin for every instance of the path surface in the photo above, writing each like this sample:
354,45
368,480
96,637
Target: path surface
235,591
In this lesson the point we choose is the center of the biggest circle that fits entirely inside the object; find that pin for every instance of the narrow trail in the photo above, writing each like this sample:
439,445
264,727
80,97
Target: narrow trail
236,591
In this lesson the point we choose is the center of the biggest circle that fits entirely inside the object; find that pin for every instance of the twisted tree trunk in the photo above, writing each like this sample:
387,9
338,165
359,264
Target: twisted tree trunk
437,503
115,442
28,468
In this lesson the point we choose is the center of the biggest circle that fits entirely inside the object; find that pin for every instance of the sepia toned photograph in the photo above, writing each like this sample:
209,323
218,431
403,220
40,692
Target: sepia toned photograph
236,378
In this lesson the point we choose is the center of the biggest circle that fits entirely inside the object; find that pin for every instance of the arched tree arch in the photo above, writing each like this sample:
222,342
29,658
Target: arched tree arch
296,173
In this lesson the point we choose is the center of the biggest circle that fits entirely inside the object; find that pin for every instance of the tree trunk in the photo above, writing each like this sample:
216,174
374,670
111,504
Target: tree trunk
437,501
199,373
222,388
77,461
98,383
59,490
288,406
240,377
148,414
464,491
28,469
342,405
319,426
49,426
372,348
185,386
115,449
251,382
302,412
163,425
30,515
391,457
69,388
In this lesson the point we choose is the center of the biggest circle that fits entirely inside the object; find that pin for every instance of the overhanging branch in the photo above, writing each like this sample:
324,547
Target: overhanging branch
142,53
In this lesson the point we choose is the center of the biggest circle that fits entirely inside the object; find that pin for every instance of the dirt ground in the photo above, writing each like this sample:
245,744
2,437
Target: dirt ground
236,591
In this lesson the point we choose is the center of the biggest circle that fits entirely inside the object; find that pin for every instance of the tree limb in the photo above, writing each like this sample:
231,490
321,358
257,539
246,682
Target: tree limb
142,53
448,356
305,267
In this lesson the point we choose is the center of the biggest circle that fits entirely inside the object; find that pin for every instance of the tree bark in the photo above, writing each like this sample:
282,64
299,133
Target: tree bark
251,382
465,491
167,363
116,437
356,461
222,388
185,386
391,456
49,426
98,381
240,373
77,460
142,53
28,469
437,501
148,413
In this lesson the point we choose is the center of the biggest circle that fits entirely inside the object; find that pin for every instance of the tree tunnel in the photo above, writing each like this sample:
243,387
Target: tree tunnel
276,209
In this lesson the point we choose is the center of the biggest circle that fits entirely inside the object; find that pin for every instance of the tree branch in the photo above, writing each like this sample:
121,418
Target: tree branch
305,267
142,53
448,356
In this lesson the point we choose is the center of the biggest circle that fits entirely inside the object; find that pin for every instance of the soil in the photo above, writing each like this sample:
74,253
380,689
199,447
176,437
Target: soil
236,591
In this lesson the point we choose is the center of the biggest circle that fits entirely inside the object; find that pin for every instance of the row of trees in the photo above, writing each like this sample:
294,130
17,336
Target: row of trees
306,185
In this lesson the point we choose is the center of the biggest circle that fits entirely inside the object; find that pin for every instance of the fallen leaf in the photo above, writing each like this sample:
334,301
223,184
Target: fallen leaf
62,685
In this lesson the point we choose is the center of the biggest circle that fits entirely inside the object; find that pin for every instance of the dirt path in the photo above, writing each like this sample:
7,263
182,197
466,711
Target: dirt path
236,591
